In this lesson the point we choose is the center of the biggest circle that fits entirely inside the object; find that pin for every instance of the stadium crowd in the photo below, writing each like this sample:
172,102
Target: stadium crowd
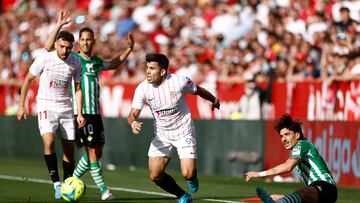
207,40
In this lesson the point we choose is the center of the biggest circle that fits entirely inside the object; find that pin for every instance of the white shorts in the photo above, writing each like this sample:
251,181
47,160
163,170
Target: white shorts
51,122
186,147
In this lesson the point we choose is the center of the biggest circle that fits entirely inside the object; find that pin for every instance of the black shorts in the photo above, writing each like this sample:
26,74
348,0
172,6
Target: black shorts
327,192
92,133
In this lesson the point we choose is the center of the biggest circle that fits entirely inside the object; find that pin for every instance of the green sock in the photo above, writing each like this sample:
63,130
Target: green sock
291,198
95,171
82,166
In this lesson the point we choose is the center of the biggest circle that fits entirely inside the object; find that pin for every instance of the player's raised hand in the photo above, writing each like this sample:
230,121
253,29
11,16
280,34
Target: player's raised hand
131,41
215,104
251,174
80,120
136,127
21,113
63,18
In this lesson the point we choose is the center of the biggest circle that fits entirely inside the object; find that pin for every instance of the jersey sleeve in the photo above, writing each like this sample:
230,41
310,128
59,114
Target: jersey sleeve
78,72
37,66
299,150
105,65
139,97
189,85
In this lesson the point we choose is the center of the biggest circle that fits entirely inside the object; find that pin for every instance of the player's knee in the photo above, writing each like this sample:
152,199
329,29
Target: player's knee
49,148
189,174
155,177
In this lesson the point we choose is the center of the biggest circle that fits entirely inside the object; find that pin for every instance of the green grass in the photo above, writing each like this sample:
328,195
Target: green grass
212,188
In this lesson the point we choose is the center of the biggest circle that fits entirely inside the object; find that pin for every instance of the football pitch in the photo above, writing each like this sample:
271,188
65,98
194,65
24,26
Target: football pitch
26,180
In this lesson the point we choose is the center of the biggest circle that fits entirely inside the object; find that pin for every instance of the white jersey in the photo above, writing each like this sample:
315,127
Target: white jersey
55,80
172,117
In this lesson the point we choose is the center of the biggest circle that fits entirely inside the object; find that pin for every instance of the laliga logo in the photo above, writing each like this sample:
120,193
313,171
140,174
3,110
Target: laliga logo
355,159
340,156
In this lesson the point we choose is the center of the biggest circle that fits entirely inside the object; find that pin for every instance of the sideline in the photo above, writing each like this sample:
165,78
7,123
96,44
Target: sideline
35,180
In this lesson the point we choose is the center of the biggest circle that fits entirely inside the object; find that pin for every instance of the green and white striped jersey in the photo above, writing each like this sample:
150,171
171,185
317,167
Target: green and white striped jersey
89,84
312,166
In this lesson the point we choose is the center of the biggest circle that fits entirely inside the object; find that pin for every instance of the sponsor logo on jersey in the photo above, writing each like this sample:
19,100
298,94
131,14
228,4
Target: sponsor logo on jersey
166,112
296,150
90,69
58,84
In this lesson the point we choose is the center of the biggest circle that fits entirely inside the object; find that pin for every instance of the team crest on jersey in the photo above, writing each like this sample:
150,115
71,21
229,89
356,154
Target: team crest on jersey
296,150
172,94
188,81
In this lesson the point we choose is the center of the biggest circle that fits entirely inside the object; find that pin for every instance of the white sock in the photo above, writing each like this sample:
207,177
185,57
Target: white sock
56,184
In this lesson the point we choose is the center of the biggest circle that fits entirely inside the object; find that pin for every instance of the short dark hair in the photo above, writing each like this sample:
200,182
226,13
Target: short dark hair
286,121
66,36
86,29
343,8
162,60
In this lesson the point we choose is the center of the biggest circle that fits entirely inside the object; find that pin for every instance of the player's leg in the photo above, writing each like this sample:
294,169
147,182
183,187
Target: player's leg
67,129
84,163
93,139
319,191
157,166
48,125
68,157
186,148
82,166
51,161
96,171
189,172
159,156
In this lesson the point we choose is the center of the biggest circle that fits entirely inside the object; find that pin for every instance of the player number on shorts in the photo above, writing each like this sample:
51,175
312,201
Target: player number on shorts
43,114
88,129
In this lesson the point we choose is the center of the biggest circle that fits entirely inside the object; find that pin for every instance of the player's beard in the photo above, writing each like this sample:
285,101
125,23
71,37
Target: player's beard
63,56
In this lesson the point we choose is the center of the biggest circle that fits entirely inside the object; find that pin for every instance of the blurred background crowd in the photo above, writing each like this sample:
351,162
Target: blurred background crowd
230,41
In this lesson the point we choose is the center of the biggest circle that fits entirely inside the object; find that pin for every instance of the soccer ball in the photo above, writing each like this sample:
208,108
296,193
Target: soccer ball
72,189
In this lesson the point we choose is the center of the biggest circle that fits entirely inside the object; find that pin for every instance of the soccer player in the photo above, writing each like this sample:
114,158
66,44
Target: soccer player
56,70
319,187
165,93
92,134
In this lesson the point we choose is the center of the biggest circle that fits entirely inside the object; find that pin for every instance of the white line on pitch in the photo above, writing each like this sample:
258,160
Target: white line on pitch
35,180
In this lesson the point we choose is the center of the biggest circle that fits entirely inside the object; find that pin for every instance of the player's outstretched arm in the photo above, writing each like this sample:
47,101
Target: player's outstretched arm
285,167
131,119
203,93
22,113
118,60
62,20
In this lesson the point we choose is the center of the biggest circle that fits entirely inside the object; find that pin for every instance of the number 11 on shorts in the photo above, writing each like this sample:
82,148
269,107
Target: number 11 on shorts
43,114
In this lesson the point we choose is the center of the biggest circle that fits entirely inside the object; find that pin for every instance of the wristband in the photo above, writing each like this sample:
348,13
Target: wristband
133,123
262,174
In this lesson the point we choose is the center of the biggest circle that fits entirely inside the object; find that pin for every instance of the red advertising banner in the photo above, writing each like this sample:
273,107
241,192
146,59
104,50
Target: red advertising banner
305,100
337,142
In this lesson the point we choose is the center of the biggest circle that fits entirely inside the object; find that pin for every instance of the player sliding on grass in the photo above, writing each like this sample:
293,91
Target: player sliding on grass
92,133
174,128
319,187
